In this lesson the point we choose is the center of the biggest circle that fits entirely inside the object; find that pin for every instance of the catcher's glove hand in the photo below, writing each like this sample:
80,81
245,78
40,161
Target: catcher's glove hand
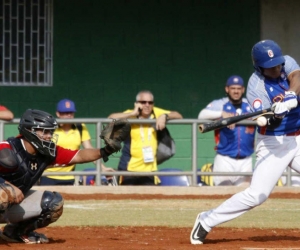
113,134
8,196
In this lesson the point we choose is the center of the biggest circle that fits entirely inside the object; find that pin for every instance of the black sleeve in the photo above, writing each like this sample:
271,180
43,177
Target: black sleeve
8,158
273,122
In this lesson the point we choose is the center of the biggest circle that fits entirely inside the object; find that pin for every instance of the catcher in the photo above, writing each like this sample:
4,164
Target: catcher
23,160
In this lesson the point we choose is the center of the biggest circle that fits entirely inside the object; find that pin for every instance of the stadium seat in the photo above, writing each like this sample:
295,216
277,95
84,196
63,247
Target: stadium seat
90,179
175,180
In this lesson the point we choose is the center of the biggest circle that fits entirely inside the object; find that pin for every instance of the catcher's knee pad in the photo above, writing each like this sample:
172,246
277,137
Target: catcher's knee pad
7,196
52,208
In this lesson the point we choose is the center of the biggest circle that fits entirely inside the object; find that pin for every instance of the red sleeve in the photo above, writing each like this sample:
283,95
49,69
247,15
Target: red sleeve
64,156
3,108
3,145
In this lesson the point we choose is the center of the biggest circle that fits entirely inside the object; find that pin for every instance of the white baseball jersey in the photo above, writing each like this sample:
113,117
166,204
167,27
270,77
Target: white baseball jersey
274,152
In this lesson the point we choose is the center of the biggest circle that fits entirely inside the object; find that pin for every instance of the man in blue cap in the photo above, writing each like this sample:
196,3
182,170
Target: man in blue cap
71,136
235,143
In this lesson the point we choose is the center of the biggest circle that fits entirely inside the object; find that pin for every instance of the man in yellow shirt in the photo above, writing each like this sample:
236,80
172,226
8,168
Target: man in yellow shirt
139,151
71,136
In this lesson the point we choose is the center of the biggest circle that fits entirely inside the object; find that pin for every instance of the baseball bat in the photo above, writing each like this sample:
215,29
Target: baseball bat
203,128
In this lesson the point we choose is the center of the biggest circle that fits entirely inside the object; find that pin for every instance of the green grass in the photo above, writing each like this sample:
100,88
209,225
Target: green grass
274,213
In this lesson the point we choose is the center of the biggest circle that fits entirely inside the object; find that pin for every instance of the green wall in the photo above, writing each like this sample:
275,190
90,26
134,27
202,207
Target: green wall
183,51
106,51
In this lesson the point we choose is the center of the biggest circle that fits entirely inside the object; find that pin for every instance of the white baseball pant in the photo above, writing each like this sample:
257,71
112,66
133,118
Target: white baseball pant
273,155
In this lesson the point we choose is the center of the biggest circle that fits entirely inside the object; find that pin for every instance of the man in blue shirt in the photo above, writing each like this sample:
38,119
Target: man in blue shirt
235,143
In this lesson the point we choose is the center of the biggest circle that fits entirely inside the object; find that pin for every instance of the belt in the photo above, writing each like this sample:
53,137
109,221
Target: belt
239,157
296,133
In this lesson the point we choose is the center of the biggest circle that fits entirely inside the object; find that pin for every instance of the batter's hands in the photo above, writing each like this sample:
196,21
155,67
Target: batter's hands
161,122
290,100
280,109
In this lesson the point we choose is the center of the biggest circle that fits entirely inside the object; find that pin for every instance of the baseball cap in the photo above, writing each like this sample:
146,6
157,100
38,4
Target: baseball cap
65,105
235,80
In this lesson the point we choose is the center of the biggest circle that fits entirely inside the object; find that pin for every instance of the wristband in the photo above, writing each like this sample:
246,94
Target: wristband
290,100
104,154
274,122
167,116
2,180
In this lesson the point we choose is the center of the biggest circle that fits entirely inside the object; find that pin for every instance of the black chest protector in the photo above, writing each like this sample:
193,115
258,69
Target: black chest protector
29,169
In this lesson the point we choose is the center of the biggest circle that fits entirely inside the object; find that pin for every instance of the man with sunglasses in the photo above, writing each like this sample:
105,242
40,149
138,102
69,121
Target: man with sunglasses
139,151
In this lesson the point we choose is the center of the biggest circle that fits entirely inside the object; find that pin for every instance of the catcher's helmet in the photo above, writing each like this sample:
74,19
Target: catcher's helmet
34,119
266,54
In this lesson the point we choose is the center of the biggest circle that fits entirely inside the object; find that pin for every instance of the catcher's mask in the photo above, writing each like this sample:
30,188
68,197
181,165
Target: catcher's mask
33,120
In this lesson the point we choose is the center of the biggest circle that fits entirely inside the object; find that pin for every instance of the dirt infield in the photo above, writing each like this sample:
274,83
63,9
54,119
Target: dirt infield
160,238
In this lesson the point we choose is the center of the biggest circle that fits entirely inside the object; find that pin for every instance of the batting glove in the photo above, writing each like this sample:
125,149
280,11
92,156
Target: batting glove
280,109
290,99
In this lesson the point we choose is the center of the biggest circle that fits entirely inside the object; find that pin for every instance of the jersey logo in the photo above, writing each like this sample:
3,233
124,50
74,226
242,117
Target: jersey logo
33,166
278,98
228,107
257,104
250,130
239,111
283,77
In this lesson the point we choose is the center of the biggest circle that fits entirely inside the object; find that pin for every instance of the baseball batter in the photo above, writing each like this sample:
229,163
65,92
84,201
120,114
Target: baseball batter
235,143
275,83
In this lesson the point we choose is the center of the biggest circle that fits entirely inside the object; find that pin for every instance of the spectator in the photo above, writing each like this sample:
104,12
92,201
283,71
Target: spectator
142,143
5,113
235,143
71,136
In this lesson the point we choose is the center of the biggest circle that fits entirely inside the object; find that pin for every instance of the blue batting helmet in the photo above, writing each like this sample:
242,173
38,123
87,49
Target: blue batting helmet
266,54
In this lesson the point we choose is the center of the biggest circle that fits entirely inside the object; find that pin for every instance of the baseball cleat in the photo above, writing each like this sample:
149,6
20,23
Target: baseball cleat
10,235
34,238
198,233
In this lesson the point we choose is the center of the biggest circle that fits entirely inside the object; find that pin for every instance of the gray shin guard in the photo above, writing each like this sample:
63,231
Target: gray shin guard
52,208
29,208
39,208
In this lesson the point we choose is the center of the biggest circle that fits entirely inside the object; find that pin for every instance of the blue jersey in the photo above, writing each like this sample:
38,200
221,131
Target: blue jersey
237,142
263,92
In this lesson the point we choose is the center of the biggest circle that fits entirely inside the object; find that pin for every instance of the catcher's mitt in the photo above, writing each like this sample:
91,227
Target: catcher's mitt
113,134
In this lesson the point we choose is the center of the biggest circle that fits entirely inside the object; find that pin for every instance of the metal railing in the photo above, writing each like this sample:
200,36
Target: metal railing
193,174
